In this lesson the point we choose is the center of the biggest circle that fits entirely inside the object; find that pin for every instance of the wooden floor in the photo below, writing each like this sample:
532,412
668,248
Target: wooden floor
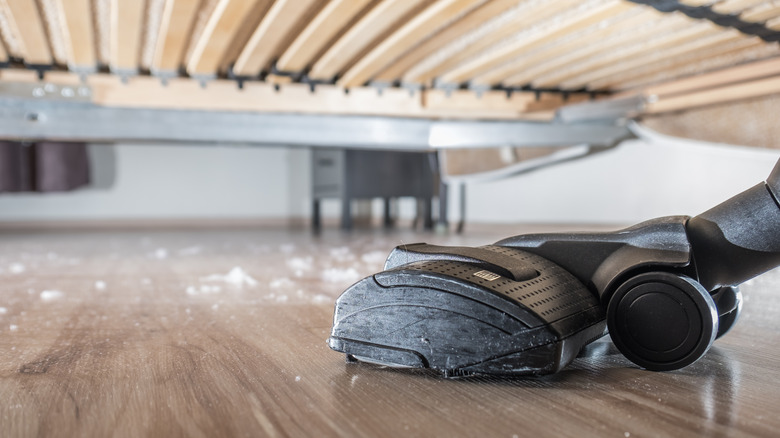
223,333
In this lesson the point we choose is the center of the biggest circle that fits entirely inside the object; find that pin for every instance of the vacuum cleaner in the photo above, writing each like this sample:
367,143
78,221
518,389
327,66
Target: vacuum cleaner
664,290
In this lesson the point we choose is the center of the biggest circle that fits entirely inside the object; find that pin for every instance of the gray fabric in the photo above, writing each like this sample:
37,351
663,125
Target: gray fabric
60,166
43,167
15,167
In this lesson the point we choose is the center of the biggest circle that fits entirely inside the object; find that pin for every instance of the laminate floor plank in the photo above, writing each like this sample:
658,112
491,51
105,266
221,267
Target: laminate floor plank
223,333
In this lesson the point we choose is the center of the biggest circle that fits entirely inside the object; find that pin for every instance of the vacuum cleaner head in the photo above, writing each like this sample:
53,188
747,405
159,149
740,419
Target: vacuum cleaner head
665,289
462,316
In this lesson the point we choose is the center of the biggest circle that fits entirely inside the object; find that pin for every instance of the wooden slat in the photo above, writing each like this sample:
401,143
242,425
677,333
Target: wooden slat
76,22
710,59
214,42
127,20
715,58
745,72
554,49
153,15
579,20
459,28
25,75
690,31
24,16
598,79
623,33
175,28
458,104
50,11
525,16
734,6
761,13
264,45
320,31
553,101
11,36
465,101
773,24
376,22
202,17
250,24
424,24
729,93
101,11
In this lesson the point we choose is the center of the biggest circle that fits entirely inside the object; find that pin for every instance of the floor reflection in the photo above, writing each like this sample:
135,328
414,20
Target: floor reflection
705,392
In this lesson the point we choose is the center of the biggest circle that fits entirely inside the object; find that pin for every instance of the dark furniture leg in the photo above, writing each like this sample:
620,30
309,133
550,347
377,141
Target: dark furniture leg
346,213
462,219
388,222
443,222
428,213
316,220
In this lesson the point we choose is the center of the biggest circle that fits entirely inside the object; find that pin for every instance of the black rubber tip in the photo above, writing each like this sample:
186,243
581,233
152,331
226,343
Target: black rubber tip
728,300
773,182
662,321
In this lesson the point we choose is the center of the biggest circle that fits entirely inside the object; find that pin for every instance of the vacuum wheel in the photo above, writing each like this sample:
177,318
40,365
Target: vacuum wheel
662,321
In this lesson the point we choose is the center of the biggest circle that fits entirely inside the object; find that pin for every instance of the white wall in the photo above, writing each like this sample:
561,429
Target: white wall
168,181
637,181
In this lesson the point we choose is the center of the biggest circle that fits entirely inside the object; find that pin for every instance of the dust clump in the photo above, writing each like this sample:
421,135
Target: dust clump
51,295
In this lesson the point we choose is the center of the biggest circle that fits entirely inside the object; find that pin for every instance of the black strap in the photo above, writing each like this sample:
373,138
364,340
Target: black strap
706,13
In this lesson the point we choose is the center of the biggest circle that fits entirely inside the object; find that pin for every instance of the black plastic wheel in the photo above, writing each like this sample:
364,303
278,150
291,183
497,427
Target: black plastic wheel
728,300
662,321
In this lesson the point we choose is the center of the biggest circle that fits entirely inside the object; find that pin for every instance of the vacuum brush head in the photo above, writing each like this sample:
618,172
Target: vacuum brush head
491,310
665,289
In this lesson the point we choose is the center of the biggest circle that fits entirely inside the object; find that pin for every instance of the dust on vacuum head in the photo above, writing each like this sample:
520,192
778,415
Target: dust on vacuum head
451,310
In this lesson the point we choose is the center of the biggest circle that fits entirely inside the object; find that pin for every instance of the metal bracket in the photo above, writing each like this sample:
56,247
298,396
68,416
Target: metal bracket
380,86
473,134
448,87
125,73
605,111
479,89
83,71
165,75
413,87
203,79
44,92
49,111
40,69
83,121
